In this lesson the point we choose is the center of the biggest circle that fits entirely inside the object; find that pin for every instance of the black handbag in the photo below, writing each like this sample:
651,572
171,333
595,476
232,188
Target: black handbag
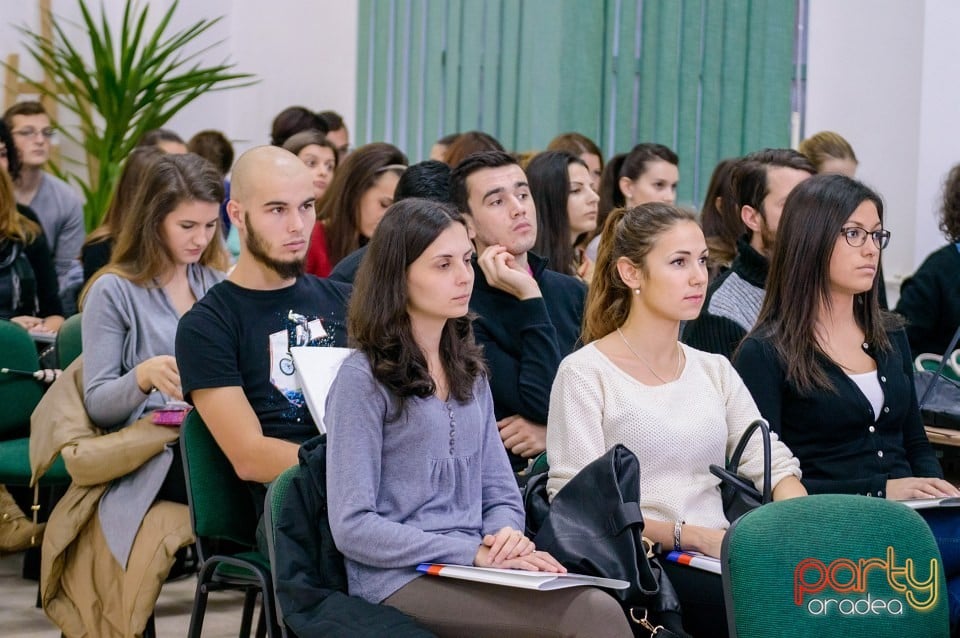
938,396
738,493
594,526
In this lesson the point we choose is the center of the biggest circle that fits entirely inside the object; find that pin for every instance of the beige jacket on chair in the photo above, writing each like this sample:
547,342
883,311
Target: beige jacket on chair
83,589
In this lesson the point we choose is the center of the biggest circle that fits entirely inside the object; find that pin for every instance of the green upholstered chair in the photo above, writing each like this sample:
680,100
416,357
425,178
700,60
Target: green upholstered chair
19,395
276,494
69,341
224,522
833,565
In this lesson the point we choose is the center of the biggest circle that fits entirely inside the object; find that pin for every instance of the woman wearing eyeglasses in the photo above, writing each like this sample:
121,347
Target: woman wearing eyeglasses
831,372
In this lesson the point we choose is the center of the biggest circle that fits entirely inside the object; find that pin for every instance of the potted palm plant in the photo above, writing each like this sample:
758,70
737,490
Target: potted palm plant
119,85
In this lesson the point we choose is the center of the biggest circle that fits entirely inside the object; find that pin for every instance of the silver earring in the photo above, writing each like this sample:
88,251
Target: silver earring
636,291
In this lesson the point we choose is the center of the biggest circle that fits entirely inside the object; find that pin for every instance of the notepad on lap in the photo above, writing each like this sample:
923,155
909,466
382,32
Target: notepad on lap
316,369
930,503
541,581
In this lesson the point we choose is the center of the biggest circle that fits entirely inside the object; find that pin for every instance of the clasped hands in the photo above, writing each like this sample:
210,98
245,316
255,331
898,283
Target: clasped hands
510,549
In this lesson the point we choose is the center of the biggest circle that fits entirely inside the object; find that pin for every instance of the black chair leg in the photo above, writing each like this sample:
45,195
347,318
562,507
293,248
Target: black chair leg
249,604
199,609
261,622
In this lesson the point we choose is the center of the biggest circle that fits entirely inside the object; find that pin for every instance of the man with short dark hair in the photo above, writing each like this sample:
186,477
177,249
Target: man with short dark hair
233,346
528,317
761,183
57,204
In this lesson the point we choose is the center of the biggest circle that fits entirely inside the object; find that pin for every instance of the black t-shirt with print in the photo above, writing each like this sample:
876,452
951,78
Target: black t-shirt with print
236,336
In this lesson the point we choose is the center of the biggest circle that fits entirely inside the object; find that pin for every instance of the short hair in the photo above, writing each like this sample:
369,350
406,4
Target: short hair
214,147
153,137
29,107
429,179
332,119
311,137
950,211
469,143
294,119
750,175
826,145
13,157
471,164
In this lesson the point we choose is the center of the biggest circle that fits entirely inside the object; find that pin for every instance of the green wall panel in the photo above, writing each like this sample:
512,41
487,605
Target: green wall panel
710,79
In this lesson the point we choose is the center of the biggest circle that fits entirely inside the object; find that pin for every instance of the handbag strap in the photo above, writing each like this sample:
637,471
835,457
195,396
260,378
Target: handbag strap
943,364
734,463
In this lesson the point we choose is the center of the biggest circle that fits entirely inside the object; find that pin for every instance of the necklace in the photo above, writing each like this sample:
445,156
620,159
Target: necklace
676,375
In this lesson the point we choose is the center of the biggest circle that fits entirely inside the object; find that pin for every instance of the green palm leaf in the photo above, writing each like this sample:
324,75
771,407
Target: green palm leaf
132,81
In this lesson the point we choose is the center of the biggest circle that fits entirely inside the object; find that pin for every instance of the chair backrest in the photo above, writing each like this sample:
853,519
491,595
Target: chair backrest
276,494
831,564
19,394
69,341
221,505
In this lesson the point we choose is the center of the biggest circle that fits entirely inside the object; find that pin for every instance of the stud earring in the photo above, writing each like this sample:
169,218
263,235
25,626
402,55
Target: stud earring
636,291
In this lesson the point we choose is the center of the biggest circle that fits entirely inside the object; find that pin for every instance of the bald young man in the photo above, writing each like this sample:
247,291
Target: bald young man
233,345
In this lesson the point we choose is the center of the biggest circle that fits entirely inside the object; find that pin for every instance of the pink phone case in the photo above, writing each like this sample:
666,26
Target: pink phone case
171,417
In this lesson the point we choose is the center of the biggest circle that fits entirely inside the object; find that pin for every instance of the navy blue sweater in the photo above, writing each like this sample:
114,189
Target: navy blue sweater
524,341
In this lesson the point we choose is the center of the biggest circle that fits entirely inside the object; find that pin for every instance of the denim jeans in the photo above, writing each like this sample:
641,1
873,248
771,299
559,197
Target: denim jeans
945,525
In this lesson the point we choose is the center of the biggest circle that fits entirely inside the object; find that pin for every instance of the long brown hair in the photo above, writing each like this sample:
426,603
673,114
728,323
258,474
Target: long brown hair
141,253
378,321
339,208
549,178
798,284
135,169
13,225
630,233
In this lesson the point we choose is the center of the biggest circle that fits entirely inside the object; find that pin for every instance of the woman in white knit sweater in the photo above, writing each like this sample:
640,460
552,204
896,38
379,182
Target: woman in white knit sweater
676,408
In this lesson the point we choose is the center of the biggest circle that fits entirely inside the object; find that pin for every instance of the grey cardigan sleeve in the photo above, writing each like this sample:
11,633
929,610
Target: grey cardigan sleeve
354,454
110,393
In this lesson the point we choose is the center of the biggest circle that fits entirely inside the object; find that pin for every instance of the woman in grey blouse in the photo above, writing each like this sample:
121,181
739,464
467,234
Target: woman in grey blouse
416,472
164,260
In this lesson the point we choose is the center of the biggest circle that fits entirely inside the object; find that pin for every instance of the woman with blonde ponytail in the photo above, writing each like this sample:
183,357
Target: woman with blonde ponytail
678,409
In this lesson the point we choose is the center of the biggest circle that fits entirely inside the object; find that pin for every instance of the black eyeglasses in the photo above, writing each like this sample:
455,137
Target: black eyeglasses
857,237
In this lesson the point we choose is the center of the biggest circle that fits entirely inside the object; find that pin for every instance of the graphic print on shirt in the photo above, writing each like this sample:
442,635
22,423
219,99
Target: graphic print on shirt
299,331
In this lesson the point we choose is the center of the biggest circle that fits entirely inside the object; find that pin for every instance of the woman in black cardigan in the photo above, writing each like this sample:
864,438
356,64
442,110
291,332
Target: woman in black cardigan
831,372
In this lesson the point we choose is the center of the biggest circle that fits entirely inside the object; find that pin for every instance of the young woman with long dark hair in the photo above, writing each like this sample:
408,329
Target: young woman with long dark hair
566,211
416,471
351,207
648,173
831,372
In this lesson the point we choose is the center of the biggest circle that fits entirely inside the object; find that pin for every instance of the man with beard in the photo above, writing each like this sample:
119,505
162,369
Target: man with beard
761,183
233,346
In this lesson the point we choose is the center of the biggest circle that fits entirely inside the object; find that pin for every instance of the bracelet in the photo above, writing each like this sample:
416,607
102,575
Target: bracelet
676,534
